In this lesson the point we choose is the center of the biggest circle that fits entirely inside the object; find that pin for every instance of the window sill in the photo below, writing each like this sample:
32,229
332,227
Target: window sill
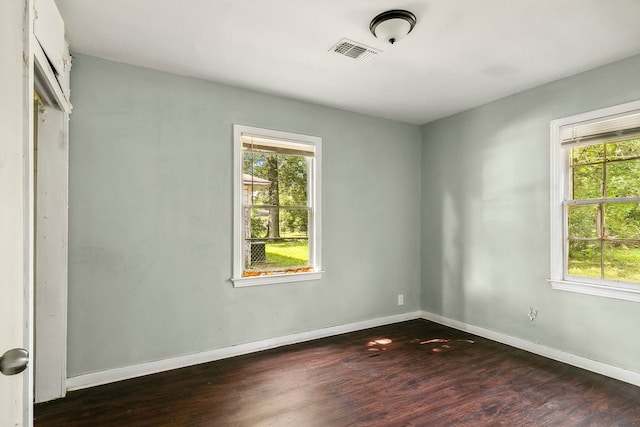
275,278
607,291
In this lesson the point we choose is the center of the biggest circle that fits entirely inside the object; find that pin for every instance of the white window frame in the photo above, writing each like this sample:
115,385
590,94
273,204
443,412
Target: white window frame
315,223
559,191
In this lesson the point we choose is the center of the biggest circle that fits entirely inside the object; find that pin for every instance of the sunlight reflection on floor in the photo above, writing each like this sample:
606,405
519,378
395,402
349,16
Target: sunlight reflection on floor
439,345
378,344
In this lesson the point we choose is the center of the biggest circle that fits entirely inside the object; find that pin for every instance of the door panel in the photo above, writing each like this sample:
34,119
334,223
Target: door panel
50,357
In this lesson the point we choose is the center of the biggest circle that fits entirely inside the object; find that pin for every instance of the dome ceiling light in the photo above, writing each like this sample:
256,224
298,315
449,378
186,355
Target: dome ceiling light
392,25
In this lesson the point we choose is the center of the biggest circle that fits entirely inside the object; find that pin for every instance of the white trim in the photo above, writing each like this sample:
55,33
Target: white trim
276,278
617,292
120,374
598,114
29,43
51,253
611,371
558,227
556,191
46,82
315,226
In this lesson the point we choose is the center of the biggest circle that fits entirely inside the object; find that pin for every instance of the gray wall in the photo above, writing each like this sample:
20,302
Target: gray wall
151,218
455,215
485,221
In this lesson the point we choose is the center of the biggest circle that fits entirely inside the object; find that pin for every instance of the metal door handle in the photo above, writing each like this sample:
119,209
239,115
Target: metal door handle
14,361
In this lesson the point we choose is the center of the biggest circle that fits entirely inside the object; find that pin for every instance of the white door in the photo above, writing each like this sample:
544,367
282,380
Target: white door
15,229
49,358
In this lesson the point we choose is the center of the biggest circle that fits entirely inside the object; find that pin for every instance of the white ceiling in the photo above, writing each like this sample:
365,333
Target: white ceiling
462,53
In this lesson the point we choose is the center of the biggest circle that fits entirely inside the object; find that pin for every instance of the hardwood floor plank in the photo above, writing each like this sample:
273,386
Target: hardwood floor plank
414,373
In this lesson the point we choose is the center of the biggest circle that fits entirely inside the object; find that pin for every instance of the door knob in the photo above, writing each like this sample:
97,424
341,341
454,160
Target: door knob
14,361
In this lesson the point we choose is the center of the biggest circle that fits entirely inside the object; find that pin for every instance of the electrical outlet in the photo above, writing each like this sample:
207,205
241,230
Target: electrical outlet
400,299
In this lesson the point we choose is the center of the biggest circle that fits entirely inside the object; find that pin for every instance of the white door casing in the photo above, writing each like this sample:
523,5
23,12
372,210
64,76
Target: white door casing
17,200
16,192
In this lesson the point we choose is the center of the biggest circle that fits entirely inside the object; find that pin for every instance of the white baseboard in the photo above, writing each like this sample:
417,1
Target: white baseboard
551,353
119,374
128,372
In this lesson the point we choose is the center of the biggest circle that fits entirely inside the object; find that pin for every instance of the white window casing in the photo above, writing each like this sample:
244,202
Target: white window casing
290,143
607,124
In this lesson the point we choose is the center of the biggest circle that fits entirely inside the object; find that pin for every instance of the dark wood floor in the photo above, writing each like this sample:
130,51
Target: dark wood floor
414,373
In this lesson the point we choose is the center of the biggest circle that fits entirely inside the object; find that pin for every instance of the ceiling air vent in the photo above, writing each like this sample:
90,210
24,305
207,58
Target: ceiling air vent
354,50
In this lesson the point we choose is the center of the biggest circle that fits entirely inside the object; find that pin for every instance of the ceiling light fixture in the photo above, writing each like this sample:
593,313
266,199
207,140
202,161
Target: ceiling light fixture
392,25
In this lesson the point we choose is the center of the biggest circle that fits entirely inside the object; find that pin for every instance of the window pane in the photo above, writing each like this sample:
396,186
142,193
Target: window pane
583,221
588,154
274,223
292,178
584,259
288,253
281,254
622,261
275,179
255,229
283,246
293,223
622,220
276,238
587,182
623,178
255,183
259,223
623,149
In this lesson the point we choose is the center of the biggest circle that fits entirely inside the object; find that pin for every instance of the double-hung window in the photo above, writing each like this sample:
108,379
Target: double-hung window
595,202
277,230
